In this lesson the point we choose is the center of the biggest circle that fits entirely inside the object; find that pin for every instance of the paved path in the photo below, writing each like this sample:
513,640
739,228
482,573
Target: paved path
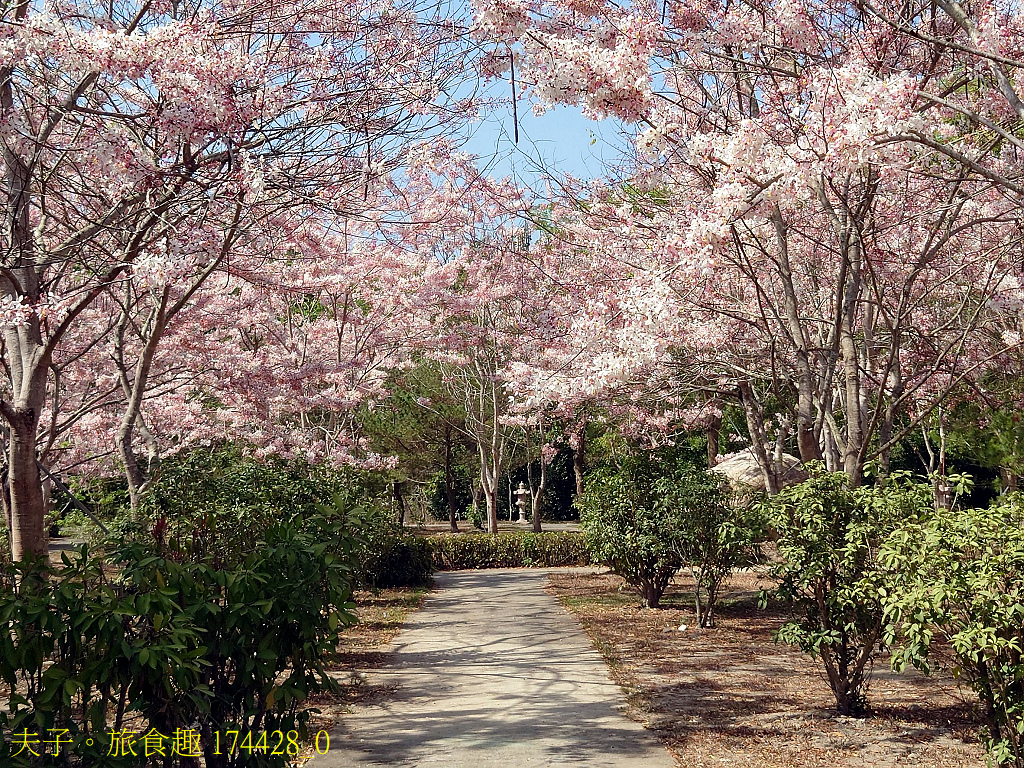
492,671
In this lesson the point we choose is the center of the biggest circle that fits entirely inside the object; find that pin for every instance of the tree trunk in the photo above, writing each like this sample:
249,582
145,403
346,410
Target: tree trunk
853,456
28,365
650,594
1009,479
755,424
988,700
579,457
846,334
134,388
807,439
491,499
538,497
490,476
5,491
942,488
449,481
132,470
28,509
844,703
714,434
698,603
477,491
400,501
27,355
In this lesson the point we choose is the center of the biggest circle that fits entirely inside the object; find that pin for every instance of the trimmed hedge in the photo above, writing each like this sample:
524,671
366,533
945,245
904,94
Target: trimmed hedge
401,561
509,550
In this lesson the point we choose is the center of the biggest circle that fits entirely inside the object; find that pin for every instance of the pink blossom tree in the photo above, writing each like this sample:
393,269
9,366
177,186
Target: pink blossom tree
805,222
159,145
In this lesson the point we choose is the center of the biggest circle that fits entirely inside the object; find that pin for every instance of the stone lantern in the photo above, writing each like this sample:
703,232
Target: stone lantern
522,494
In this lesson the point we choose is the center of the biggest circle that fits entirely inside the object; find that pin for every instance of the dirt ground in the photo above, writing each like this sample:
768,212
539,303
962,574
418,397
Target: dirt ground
363,648
731,696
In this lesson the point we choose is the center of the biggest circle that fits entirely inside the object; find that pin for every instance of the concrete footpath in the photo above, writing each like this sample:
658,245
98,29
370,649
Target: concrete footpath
492,671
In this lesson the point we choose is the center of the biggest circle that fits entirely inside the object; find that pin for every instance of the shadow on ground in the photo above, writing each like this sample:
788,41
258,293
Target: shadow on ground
493,672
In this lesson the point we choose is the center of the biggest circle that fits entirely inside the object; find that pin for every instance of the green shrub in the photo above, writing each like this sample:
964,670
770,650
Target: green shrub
215,504
401,561
628,529
77,647
386,555
513,549
225,478
709,535
555,549
184,637
958,576
828,539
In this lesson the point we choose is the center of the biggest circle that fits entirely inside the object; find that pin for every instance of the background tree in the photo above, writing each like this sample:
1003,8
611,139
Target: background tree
423,428
757,248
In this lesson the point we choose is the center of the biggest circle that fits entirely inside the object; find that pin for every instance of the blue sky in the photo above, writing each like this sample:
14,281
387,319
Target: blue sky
561,139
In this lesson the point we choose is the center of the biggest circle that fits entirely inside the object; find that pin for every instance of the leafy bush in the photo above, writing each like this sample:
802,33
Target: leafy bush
389,558
959,576
627,528
183,637
226,478
554,549
76,646
652,514
106,497
406,561
829,535
707,533
509,550
215,504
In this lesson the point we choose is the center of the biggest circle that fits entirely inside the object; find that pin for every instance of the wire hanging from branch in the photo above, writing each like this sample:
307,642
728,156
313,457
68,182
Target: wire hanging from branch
515,110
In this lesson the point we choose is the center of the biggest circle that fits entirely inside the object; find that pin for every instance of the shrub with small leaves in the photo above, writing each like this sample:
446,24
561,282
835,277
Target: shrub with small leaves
828,539
512,549
710,535
957,576
626,527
